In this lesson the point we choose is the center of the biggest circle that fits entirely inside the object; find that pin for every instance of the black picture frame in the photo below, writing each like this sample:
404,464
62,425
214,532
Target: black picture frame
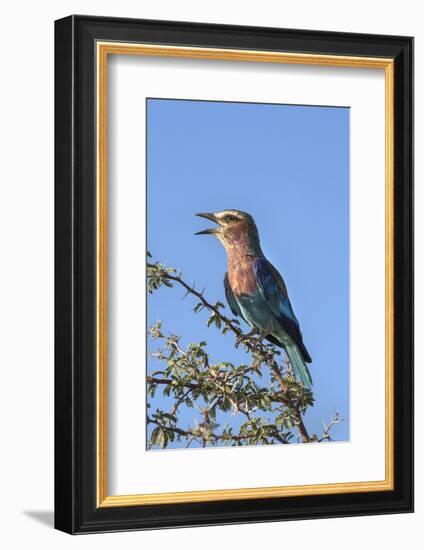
76,510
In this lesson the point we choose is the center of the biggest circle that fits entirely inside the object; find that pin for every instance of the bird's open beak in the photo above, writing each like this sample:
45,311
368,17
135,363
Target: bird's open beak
212,230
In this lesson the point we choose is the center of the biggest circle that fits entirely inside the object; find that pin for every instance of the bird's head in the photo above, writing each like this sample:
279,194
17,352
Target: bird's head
234,229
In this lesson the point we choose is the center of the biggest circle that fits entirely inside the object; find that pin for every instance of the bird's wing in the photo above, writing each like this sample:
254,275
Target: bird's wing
274,291
231,299
235,308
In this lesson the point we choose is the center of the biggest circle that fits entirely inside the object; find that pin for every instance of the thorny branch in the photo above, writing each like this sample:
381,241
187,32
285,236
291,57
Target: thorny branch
191,379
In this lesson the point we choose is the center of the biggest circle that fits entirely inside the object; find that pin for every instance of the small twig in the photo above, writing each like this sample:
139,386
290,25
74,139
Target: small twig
327,428
180,400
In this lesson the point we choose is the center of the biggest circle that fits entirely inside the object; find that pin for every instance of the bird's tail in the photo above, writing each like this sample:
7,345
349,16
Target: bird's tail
300,369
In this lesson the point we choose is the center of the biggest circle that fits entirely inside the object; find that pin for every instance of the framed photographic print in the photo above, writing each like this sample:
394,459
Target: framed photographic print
234,272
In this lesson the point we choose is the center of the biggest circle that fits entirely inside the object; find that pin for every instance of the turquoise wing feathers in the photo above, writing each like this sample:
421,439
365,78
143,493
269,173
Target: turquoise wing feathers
274,291
231,299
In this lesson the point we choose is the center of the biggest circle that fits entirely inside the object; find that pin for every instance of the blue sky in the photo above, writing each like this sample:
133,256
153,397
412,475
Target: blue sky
286,165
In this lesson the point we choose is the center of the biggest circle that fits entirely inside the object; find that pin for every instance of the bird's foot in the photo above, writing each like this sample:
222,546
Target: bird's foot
262,335
243,338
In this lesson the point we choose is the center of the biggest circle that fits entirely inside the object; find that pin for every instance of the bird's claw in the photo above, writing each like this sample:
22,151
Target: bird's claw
244,338
262,336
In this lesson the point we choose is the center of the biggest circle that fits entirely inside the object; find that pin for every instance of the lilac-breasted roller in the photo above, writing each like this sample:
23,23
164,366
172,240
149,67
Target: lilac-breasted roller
255,290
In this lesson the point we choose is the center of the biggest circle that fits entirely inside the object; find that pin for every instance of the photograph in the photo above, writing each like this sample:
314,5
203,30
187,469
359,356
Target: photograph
211,267
247,274
233,274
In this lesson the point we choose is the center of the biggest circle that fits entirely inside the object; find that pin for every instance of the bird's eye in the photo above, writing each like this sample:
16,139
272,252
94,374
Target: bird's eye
230,219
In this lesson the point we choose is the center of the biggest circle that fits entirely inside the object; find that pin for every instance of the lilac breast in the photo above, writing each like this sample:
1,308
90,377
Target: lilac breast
241,276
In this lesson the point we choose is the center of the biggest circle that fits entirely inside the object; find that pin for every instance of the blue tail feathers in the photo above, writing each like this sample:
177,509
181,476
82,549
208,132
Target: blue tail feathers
298,364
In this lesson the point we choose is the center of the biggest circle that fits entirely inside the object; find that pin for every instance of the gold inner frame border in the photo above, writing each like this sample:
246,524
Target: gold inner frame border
103,50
